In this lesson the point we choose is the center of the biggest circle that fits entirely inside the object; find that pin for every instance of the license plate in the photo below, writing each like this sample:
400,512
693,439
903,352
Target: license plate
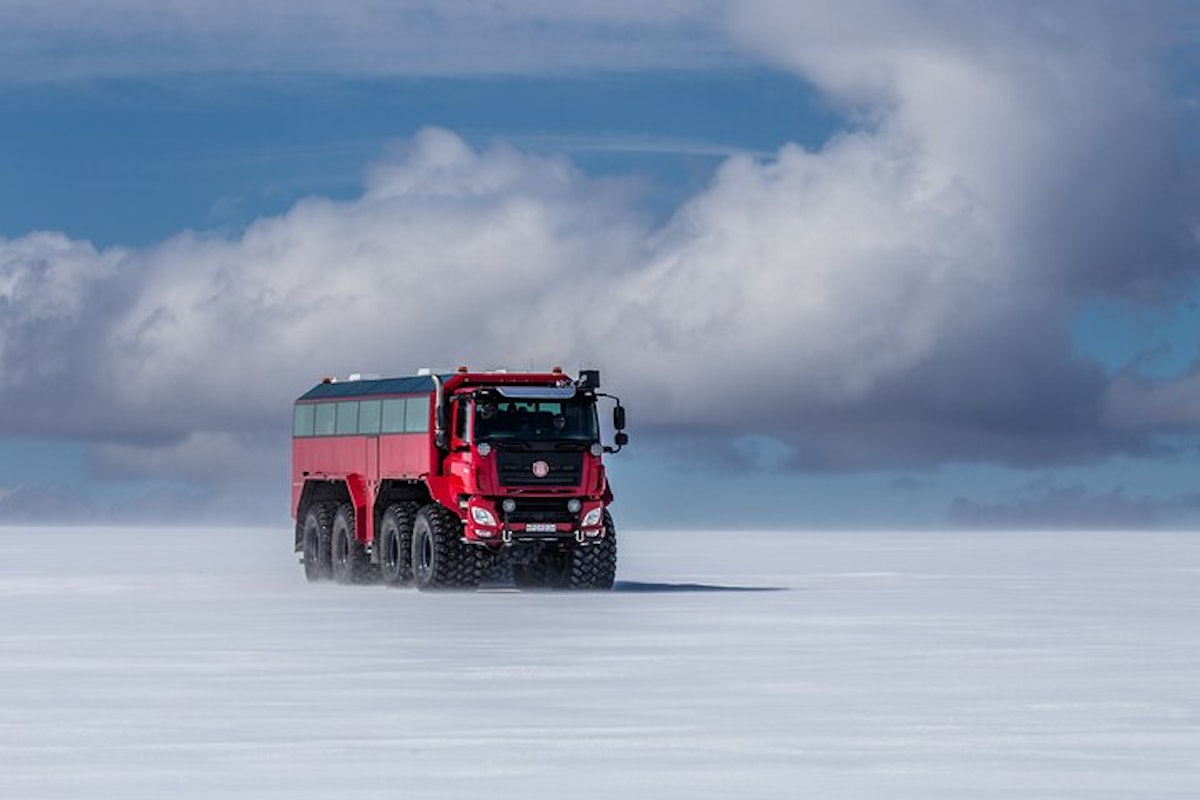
541,527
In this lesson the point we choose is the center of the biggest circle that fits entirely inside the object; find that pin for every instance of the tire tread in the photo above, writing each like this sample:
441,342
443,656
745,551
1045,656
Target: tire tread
456,564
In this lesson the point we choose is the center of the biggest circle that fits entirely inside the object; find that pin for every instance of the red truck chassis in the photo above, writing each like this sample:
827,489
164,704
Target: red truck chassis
441,480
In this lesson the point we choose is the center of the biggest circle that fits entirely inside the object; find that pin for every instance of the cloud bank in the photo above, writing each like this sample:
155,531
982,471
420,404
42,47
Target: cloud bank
900,296
1046,503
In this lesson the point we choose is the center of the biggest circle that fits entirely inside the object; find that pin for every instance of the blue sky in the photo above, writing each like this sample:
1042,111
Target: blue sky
203,152
850,264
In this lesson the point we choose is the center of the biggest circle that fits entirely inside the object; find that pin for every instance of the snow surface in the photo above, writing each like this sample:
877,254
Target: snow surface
198,663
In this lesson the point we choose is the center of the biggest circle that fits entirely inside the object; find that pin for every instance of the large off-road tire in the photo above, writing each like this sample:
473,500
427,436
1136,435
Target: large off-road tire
394,547
595,566
349,559
315,540
440,558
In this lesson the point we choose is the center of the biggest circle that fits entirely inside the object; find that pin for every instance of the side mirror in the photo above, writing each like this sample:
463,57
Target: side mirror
619,417
621,439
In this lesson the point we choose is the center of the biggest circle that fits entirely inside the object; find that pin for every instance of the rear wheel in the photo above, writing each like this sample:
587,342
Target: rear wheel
318,526
395,543
349,559
440,558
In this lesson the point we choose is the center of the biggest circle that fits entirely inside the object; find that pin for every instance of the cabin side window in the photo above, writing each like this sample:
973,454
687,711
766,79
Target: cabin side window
362,417
303,420
326,419
393,415
416,416
369,417
347,418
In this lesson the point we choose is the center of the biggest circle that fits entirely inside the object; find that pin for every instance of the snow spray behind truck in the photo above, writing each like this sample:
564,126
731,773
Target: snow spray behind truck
436,479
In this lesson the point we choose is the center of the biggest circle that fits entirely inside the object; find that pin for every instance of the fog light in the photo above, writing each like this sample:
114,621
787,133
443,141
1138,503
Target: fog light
509,505
573,505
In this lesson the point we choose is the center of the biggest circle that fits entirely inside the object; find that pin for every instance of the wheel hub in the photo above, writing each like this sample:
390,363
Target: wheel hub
426,552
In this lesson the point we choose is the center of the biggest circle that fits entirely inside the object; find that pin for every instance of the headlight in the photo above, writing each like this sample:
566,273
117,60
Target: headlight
592,517
483,448
481,516
573,505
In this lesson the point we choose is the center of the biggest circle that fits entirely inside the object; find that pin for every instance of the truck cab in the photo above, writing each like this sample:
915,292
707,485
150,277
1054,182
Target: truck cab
525,463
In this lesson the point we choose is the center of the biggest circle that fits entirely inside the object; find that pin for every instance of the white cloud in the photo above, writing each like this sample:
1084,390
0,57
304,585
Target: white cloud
51,288
449,255
900,296
835,269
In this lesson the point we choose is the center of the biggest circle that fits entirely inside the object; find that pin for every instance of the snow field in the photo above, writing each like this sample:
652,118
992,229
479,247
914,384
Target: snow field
198,663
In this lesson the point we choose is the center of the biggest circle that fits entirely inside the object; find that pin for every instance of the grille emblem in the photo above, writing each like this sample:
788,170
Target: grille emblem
540,469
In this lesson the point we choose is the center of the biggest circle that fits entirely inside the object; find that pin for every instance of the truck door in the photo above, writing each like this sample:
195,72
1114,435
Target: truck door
456,461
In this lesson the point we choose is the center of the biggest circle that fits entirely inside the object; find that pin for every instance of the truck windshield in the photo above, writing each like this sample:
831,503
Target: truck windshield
536,420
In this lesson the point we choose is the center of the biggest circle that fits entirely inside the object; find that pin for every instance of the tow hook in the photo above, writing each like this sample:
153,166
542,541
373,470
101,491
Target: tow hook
506,536
579,536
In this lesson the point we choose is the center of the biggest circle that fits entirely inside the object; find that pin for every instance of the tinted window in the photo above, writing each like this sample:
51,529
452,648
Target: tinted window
302,420
416,417
393,415
536,420
369,415
460,420
347,417
326,414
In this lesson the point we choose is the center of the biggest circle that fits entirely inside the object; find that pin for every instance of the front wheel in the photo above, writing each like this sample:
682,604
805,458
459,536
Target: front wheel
440,558
595,566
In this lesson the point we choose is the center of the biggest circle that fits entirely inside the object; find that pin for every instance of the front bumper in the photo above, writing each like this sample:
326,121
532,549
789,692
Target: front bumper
509,528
